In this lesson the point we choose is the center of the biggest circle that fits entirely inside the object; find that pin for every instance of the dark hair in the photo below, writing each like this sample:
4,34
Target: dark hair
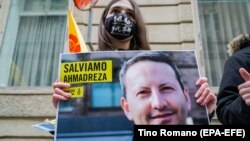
139,40
155,56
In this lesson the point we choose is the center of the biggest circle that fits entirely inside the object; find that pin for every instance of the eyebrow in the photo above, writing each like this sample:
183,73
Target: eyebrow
119,7
169,84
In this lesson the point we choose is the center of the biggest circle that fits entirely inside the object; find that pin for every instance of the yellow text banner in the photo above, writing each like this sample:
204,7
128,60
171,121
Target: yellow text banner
86,71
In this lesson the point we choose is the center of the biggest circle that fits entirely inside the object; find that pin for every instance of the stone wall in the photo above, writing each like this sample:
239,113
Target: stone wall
20,109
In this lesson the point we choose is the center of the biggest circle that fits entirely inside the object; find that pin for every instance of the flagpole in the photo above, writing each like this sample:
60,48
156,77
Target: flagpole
89,35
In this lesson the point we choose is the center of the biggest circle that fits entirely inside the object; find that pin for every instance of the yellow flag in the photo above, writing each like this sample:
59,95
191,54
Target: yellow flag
76,42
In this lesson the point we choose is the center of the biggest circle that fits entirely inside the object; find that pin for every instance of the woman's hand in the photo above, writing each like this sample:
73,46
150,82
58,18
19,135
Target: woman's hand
59,94
205,96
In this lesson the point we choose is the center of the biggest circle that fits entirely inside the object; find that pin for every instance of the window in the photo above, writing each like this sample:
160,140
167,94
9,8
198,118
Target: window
106,95
34,37
220,22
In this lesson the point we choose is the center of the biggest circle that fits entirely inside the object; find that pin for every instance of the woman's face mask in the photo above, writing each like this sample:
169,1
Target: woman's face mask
120,26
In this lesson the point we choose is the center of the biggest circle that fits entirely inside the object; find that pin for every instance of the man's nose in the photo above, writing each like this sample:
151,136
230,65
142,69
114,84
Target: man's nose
157,101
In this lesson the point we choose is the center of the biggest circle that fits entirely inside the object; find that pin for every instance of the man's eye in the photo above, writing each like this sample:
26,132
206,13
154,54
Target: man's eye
143,92
167,89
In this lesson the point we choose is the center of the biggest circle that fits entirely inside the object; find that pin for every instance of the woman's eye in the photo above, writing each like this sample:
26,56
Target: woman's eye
115,11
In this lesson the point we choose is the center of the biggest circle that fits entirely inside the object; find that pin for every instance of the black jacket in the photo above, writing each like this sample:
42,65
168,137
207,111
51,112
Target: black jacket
231,108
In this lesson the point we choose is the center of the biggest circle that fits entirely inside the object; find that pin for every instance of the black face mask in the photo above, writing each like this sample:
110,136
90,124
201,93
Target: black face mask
120,26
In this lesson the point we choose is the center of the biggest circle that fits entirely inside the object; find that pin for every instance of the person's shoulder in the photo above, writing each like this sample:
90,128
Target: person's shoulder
240,54
245,51
238,58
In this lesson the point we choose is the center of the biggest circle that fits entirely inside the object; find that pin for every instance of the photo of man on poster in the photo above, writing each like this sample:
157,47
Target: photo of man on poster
153,91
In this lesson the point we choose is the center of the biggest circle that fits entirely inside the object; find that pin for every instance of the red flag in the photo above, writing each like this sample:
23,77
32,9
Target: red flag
76,42
85,4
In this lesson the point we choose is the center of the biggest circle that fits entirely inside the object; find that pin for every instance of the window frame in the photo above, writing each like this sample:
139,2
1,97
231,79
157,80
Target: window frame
3,28
198,42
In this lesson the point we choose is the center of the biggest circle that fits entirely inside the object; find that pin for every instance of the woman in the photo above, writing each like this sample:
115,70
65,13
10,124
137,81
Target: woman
122,28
